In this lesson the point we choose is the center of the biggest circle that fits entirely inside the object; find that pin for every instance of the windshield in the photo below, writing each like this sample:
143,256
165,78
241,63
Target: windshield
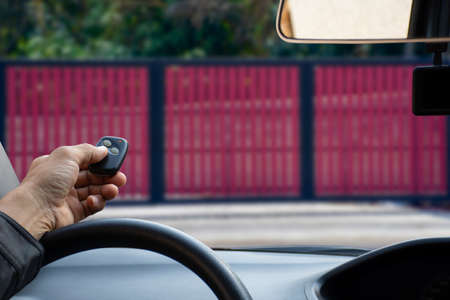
234,137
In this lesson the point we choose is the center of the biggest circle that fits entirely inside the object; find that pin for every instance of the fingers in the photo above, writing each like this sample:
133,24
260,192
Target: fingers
93,204
83,154
107,191
83,209
86,178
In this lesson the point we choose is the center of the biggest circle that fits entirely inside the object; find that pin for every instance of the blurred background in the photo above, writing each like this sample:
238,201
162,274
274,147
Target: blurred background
235,136
89,29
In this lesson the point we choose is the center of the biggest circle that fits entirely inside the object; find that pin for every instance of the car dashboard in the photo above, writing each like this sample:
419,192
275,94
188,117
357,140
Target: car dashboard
412,270
118,273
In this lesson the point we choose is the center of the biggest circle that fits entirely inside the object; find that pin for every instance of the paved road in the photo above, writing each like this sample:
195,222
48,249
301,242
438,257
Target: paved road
349,224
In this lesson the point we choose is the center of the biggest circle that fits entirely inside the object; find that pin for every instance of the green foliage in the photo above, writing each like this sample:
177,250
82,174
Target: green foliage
80,29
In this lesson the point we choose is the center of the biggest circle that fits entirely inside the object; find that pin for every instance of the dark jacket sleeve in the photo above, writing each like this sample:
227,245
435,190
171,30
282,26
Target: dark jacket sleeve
20,257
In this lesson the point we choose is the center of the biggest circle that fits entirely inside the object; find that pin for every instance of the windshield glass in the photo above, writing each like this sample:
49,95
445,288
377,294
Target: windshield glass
234,137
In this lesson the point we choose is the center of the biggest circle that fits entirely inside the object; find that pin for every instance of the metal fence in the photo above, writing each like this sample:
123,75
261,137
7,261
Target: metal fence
49,106
232,131
367,141
235,129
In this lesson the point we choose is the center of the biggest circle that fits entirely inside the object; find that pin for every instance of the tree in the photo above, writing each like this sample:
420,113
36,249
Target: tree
83,29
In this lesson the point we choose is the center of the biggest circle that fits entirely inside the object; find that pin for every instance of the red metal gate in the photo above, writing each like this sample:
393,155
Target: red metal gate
232,131
46,103
367,142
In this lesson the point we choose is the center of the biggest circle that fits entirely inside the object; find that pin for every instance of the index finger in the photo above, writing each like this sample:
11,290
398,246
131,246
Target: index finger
83,154
86,178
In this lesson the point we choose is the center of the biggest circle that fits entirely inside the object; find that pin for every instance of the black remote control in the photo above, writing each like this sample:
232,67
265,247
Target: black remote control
117,150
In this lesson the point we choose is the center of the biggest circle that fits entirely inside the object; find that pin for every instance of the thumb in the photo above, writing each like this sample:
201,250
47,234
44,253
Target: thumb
91,155
83,154
100,152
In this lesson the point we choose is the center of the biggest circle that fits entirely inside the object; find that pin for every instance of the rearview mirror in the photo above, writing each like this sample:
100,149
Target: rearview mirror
363,21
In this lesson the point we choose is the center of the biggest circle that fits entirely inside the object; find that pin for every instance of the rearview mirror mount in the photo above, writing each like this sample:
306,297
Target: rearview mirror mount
431,91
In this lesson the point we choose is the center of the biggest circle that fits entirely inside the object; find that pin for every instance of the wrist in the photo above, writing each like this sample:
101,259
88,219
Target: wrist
29,211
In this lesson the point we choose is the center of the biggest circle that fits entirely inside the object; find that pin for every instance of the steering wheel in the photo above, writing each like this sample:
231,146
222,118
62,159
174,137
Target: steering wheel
132,233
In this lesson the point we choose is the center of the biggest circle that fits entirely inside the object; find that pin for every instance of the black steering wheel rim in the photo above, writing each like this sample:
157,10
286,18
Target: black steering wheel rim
139,234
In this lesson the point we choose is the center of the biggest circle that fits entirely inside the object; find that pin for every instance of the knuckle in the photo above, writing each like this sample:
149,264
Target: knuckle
39,160
62,151
86,146
87,149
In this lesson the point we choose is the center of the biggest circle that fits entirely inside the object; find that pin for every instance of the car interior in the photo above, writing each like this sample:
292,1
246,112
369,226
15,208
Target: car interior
136,259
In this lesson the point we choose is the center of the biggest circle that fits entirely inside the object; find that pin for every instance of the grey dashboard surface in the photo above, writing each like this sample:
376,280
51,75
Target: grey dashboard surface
138,274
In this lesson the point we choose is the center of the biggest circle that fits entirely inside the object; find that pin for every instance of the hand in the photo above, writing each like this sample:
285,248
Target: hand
58,190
